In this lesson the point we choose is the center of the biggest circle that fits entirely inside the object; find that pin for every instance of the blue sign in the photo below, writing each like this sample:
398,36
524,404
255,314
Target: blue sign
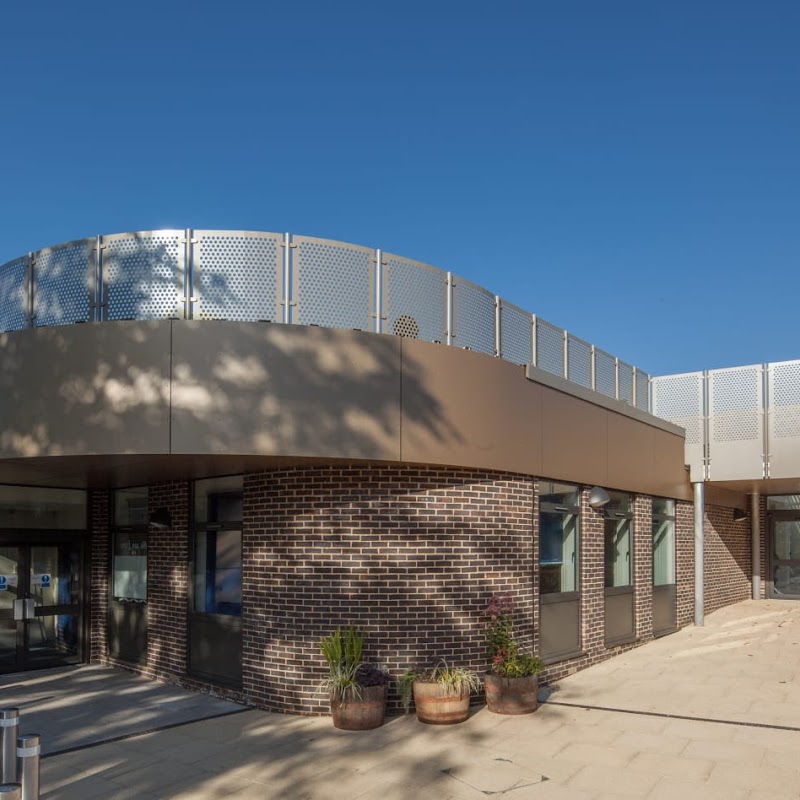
3,583
45,581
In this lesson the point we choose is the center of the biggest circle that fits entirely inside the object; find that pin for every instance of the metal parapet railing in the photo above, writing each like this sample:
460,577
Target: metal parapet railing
742,423
259,276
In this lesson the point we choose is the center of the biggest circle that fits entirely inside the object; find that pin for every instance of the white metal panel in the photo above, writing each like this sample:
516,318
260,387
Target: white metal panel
784,419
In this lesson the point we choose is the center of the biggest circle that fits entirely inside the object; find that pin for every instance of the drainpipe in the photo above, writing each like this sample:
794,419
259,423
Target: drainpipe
755,543
699,514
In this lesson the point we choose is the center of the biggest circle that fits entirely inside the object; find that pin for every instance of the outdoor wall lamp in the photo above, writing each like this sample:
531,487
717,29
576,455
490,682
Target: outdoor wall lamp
161,518
598,498
739,515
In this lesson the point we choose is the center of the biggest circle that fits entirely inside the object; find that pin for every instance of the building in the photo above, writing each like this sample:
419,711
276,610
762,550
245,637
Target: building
218,446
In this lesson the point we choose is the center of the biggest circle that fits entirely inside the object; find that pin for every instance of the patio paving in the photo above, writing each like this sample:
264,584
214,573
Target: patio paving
708,712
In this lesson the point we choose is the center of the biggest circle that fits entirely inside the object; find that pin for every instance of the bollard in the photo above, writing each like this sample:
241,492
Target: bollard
9,730
10,791
28,753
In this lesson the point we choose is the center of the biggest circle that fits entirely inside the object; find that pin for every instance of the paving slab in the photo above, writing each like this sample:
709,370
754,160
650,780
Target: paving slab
78,706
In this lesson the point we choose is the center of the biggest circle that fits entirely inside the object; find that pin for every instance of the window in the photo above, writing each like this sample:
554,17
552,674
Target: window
558,538
618,536
129,545
663,542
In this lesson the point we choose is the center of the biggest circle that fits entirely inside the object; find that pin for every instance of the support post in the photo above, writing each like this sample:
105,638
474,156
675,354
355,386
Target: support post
9,730
699,541
755,543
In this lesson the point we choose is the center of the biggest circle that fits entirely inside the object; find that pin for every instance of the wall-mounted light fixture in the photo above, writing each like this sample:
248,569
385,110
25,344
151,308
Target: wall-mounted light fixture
739,515
161,518
598,497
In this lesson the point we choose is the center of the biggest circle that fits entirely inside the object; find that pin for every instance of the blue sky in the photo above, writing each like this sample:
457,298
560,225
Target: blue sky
627,170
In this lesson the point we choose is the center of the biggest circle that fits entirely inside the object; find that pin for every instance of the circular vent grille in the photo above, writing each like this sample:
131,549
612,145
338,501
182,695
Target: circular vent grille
407,327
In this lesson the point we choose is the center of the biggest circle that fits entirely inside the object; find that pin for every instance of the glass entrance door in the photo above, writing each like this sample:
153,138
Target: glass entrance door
784,578
40,605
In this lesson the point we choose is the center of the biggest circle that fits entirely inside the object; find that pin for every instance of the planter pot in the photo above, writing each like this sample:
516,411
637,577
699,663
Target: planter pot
435,705
361,715
511,695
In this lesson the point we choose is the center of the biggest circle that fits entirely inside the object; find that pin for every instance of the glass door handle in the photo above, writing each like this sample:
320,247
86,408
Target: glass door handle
19,610
30,608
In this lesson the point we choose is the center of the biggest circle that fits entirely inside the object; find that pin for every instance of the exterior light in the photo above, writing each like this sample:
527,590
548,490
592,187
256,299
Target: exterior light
598,498
739,515
161,518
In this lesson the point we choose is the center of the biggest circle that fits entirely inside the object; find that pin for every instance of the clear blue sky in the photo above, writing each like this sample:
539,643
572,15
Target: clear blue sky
627,170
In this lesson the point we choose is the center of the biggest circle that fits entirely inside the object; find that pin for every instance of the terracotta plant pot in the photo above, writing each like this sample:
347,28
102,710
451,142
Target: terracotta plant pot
363,714
436,705
511,695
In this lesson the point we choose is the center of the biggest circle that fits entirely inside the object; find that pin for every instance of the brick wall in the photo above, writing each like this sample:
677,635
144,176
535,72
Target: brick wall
727,559
592,556
684,566
409,555
168,582
643,566
99,569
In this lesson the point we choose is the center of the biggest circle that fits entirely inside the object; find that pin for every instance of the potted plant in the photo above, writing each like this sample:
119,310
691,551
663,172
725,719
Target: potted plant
357,691
441,695
512,683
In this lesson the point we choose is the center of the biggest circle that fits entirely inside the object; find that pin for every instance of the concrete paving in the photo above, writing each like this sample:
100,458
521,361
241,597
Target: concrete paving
708,712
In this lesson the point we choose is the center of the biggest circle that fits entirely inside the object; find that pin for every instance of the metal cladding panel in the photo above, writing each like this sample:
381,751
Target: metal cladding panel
515,333
238,276
143,275
549,347
63,283
334,284
626,383
605,373
413,299
736,432
473,317
642,390
14,295
784,419
579,361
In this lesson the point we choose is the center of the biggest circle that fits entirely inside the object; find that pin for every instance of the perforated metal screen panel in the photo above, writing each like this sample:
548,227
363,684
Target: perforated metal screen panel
238,275
642,390
549,347
579,361
143,275
735,404
515,333
14,294
679,399
473,317
63,279
334,284
784,419
605,373
413,299
626,382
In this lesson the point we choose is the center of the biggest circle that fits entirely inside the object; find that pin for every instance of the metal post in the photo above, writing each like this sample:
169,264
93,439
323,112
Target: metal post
755,535
29,751
534,359
287,275
9,730
498,322
378,291
449,290
566,356
699,539
616,379
593,369
11,791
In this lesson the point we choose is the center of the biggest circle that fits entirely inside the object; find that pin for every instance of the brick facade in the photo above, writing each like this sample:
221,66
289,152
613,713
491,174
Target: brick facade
728,556
408,554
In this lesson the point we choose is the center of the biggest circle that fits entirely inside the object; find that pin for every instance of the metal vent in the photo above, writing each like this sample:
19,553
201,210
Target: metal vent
515,333
549,347
14,294
785,399
142,274
679,399
579,361
334,284
605,373
63,279
417,291
406,327
735,404
473,317
238,275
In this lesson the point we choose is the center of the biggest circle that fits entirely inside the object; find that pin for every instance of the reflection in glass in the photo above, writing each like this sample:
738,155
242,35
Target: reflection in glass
34,507
558,552
663,552
617,552
130,507
130,566
218,499
218,572
786,579
787,540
